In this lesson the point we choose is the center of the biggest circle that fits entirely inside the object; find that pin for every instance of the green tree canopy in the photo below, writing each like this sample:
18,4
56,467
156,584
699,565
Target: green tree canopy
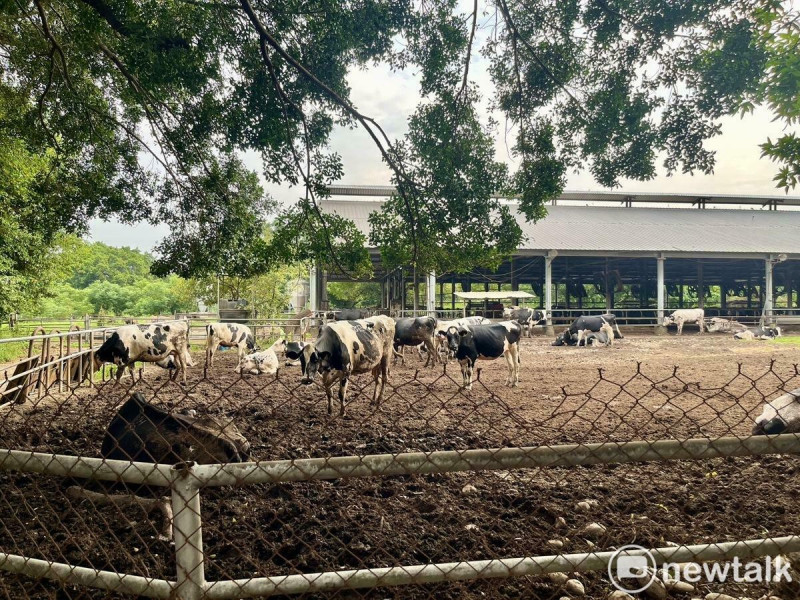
137,110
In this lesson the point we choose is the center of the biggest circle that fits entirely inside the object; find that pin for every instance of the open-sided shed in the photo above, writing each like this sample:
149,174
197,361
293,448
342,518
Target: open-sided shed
637,258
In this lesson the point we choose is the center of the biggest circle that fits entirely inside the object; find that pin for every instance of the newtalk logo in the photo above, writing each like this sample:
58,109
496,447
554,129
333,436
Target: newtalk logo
632,569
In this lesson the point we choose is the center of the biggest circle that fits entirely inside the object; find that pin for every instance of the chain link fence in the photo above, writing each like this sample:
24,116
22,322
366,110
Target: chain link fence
239,486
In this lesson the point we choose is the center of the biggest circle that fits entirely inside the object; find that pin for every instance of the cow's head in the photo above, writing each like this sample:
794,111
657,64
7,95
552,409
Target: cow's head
312,363
780,415
563,339
453,338
670,320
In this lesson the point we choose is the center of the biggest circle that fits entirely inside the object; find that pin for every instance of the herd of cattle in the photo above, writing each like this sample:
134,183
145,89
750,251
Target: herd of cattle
356,344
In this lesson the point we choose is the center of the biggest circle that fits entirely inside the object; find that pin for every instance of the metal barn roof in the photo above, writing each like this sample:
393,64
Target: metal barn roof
601,229
382,191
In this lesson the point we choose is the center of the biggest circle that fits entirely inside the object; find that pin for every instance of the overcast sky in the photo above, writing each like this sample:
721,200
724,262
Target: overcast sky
391,97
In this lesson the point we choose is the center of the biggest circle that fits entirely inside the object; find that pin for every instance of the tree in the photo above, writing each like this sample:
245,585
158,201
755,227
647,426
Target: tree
609,85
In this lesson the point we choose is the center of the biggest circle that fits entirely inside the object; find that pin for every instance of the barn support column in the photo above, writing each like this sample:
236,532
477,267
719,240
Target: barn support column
660,329
609,294
789,282
313,288
548,290
430,294
766,315
453,293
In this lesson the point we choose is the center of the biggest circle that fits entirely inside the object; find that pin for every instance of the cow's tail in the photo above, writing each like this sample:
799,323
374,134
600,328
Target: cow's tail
251,342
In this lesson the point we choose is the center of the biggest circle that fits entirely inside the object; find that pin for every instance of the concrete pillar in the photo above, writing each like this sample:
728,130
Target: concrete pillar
768,290
609,293
313,288
430,294
548,290
514,280
660,329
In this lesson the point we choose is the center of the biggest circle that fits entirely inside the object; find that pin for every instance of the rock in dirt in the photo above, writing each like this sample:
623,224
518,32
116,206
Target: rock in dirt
594,529
469,490
557,544
619,595
715,596
558,578
575,587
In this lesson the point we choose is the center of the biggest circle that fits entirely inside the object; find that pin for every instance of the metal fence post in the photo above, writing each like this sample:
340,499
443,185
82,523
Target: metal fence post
187,534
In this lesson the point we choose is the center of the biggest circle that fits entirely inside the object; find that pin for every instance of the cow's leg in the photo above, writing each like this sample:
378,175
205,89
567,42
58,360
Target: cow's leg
433,354
211,349
580,337
679,323
180,363
343,394
700,325
515,363
121,371
617,333
509,359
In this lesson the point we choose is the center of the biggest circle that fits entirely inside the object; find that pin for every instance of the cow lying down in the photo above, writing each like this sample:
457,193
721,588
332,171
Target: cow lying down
758,333
722,325
780,415
587,324
263,361
141,432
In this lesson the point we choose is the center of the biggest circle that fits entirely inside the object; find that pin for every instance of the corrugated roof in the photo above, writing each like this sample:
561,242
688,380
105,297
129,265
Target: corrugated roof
633,229
380,191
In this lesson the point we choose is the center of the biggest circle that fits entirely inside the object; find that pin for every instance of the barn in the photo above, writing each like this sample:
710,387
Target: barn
637,255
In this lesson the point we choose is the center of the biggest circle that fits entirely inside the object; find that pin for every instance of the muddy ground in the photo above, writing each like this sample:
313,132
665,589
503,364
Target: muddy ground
630,391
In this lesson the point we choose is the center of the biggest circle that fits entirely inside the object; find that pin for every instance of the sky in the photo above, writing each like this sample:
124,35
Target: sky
391,97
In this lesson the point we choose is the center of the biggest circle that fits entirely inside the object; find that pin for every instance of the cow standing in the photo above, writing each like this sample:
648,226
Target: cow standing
486,342
443,326
145,343
346,348
228,335
349,314
413,332
526,317
686,315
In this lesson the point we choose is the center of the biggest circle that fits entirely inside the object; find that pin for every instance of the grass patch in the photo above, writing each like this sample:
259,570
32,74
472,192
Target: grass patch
788,340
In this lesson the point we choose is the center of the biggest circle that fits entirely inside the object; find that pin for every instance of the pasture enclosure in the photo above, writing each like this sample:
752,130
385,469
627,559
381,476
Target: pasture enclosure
437,493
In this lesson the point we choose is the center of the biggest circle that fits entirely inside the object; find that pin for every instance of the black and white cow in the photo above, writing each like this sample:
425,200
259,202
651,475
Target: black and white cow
346,348
145,343
587,323
263,361
486,342
294,354
526,317
228,335
686,315
442,328
758,333
349,314
596,338
781,415
413,331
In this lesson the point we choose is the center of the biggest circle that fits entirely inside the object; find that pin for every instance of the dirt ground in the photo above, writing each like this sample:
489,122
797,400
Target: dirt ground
631,391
